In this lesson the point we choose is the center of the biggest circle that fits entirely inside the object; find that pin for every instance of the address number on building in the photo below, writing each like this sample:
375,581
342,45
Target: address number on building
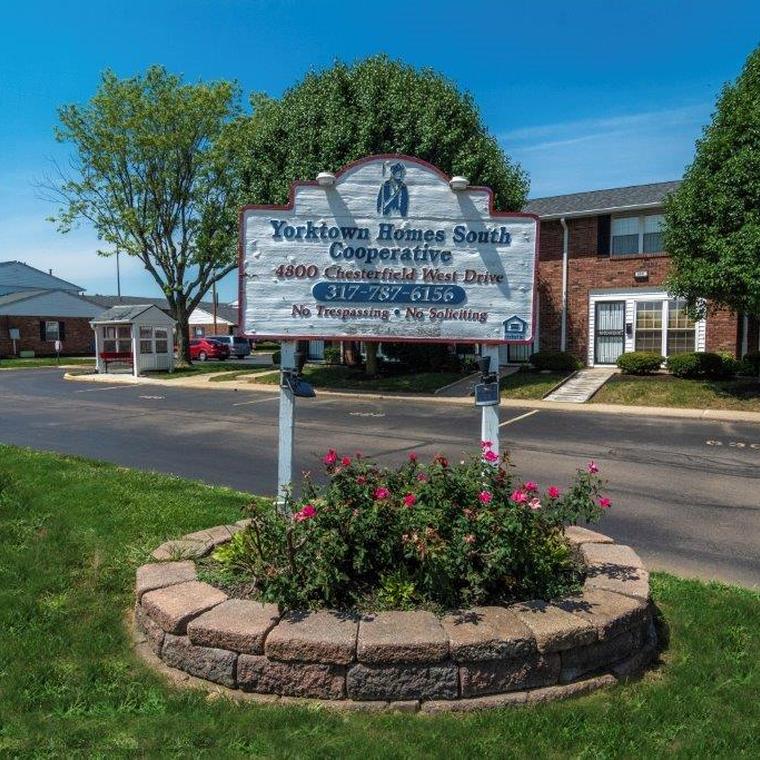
366,293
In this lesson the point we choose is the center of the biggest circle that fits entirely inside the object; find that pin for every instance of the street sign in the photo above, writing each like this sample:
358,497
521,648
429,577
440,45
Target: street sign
388,250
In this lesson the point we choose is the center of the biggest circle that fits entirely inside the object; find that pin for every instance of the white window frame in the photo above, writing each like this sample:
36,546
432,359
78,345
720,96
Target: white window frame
640,247
52,334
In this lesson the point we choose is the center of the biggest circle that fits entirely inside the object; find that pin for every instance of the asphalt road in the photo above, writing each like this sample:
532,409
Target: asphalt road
686,493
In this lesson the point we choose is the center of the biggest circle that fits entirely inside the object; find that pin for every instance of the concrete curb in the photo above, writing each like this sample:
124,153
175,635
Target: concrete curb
722,415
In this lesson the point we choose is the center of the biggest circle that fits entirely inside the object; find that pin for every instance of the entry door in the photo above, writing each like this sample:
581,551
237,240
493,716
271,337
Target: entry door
609,331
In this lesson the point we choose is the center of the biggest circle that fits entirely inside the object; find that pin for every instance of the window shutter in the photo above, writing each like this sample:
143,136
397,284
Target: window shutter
603,235
42,330
61,331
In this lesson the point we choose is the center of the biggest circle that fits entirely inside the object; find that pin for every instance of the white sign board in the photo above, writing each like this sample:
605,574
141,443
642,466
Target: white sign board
388,251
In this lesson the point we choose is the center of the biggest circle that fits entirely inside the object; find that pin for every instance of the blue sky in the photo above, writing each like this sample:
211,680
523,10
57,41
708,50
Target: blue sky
584,95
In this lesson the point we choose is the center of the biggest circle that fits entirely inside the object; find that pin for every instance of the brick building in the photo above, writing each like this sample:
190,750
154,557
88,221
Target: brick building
601,276
38,309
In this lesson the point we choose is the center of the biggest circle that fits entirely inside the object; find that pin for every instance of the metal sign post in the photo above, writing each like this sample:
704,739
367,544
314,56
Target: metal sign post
487,397
287,421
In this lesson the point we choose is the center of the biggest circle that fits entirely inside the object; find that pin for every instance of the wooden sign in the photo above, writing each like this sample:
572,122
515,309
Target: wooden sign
388,250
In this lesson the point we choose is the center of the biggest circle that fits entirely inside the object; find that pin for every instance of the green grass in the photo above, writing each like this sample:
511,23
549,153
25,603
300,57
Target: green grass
665,390
530,384
198,368
345,378
46,361
72,533
241,375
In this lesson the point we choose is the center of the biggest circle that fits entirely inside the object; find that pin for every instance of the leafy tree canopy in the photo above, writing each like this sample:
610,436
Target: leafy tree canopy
377,105
713,220
149,172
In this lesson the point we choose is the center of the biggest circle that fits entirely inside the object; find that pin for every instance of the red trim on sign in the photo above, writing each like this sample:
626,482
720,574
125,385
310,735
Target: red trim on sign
290,205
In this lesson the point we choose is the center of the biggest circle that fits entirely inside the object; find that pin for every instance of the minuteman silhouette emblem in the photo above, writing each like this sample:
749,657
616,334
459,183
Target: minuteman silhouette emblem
393,197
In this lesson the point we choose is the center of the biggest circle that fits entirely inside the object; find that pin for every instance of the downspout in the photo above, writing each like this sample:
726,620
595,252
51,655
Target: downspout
745,336
563,327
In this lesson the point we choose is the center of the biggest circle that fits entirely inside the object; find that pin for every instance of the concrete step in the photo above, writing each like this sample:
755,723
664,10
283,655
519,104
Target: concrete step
582,386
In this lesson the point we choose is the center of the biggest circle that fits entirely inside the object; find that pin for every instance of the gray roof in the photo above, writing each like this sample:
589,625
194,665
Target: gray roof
19,295
21,276
602,201
123,313
225,311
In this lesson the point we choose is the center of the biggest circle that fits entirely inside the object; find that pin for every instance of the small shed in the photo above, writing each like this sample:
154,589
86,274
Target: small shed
137,336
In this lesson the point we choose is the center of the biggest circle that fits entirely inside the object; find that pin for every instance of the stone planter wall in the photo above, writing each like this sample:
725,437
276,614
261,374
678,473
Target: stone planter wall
483,657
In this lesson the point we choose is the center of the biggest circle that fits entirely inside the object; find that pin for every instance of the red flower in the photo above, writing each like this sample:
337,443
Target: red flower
412,456
592,468
553,492
530,486
422,477
486,444
345,461
486,497
410,500
382,493
491,456
306,513
605,503
519,496
331,457
441,460
361,480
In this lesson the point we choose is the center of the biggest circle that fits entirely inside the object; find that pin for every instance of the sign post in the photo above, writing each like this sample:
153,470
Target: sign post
388,249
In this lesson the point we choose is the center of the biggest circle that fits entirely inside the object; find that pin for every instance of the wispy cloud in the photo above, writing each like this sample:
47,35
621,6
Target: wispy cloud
624,149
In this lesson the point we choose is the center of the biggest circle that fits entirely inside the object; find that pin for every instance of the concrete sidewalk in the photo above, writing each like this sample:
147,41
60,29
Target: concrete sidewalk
203,381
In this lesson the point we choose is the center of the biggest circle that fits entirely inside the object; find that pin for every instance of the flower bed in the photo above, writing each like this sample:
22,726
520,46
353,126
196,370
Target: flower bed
408,660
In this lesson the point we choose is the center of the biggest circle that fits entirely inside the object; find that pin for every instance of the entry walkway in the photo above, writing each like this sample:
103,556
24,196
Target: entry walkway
466,387
582,385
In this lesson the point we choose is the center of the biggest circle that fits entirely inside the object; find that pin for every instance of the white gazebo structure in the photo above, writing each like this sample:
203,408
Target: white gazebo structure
139,335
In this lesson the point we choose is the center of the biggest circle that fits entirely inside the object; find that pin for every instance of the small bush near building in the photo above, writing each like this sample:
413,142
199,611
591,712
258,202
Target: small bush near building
699,364
423,357
640,362
332,355
555,361
750,364
434,535
276,357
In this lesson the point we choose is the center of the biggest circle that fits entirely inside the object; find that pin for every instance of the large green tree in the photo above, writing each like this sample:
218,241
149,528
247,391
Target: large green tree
377,105
150,173
712,229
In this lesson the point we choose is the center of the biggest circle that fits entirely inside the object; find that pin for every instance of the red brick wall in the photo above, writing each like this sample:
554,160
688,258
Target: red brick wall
79,336
221,329
589,271
722,331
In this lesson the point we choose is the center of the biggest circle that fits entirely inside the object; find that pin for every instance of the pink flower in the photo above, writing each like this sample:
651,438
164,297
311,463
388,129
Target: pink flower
469,538
592,468
345,461
486,497
306,513
422,477
486,444
553,492
491,456
412,456
535,503
519,496
410,500
361,480
382,493
605,503
331,457
441,460
530,487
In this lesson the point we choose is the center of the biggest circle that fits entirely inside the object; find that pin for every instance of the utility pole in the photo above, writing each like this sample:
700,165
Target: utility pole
214,300
118,275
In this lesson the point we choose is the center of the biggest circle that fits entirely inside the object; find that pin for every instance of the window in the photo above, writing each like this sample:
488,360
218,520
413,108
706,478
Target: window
636,234
117,339
200,332
649,326
52,331
162,340
681,328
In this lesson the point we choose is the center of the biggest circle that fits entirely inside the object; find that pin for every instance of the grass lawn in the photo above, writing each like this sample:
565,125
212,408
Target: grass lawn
345,378
72,533
241,375
198,368
530,384
46,361
666,390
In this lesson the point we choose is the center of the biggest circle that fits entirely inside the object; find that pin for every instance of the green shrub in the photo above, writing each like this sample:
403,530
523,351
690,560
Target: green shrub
696,364
555,361
751,363
276,357
422,357
640,362
332,355
435,535
731,365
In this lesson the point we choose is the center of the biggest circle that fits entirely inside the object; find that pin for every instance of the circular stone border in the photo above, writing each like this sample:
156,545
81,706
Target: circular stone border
485,657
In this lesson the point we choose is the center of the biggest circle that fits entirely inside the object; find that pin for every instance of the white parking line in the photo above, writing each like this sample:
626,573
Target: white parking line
107,388
517,419
257,401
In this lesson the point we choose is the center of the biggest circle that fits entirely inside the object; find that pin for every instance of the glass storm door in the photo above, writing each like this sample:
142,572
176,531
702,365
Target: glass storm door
609,331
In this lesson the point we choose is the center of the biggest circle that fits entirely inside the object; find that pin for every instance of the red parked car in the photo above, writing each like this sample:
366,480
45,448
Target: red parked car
208,348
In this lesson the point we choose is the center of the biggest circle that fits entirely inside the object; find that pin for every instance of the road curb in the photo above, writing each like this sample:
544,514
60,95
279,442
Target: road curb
720,415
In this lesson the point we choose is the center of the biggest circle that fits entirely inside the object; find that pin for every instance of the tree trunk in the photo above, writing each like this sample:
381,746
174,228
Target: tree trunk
183,338
371,366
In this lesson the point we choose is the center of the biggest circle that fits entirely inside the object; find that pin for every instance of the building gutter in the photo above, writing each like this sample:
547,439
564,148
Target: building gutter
597,211
565,246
